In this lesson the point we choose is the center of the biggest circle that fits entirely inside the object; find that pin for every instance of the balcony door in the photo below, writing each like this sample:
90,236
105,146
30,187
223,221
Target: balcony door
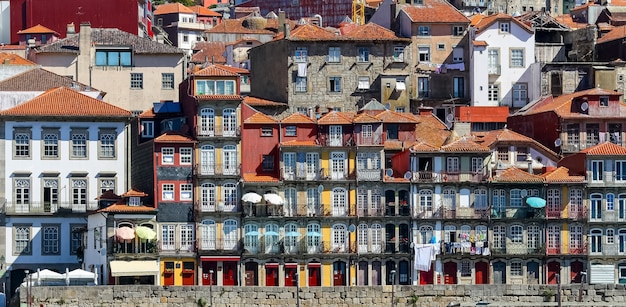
207,160
230,122
338,165
335,135
230,160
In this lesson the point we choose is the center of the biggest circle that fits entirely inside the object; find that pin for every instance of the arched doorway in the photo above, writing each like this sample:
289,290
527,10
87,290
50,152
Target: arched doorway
554,268
315,279
576,268
390,278
251,277
339,273
482,273
362,274
449,273
390,203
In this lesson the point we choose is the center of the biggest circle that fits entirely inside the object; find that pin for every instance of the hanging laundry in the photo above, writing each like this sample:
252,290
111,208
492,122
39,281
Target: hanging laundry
456,66
423,257
302,69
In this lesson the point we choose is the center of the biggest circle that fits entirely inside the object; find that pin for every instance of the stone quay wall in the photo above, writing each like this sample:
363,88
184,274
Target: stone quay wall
422,296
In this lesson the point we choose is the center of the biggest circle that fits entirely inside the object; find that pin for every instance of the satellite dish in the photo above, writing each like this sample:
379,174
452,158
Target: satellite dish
523,193
584,106
558,142
351,228
389,172
320,188
388,106
450,118
408,175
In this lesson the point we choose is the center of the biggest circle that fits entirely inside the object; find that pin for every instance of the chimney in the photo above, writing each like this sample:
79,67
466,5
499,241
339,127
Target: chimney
425,110
7,61
71,29
287,30
530,165
84,53
281,21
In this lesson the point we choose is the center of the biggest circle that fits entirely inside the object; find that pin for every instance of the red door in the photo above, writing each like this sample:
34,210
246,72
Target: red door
314,276
207,277
188,278
427,278
168,274
577,269
251,269
230,273
290,277
553,268
449,273
482,273
271,276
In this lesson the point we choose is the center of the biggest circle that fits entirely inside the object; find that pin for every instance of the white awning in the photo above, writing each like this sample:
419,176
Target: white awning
134,268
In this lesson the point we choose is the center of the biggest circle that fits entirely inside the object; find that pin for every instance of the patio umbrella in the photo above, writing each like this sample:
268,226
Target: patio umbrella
145,233
251,197
313,234
125,233
536,202
273,199
292,234
271,233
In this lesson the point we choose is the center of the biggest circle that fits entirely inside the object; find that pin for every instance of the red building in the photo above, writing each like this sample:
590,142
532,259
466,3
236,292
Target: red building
130,16
260,138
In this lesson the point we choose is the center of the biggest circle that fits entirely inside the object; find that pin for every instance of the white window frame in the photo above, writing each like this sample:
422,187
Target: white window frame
186,192
334,55
167,155
167,191
186,155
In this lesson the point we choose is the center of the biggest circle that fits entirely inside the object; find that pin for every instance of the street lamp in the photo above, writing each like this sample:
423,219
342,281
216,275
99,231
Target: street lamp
297,277
28,288
558,287
211,288
393,289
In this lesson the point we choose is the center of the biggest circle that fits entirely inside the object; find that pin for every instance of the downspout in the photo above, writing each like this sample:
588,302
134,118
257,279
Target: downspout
318,16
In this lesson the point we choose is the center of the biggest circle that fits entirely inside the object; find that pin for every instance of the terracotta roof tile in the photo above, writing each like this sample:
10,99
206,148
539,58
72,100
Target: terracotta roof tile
254,101
260,118
13,59
124,208
480,43
614,34
369,32
397,145
431,130
170,8
423,147
484,23
149,113
236,26
297,143
561,174
605,149
38,29
297,118
12,47
216,70
203,11
310,32
134,193
435,11
566,19
363,118
465,144
108,195
335,118
173,137
209,52
259,178
245,39
514,174
39,79
562,105
494,137
219,97
65,102
388,116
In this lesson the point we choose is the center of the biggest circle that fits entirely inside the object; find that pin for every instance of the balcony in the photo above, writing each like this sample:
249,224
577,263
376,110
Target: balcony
581,214
326,174
305,246
340,211
427,176
192,25
298,175
402,210
135,247
369,174
367,212
494,70
294,210
558,251
518,213
571,147
330,141
518,249
461,248
219,206
219,131
429,213
177,248
404,246
218,244
218,169
553,213
466,213
46,208
375,140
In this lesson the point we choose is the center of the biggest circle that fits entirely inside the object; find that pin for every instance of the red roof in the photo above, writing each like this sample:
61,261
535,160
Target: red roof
388,116
173,137
13,59
481,114
124,208
298,118
605,149
203,11
561,174
483,23
514,174
38,29
614,34
218,70
335,118
170,8
134,193
465,144
435,11
254,101
260,118
562,105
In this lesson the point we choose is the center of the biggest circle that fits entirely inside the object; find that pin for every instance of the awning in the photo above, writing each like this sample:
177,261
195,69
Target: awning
314,265
125,233
134,268
220,258
271,265
291,265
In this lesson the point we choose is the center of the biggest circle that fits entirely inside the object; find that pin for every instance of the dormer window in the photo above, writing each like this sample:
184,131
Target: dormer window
134,201
215,87
505,27
604,101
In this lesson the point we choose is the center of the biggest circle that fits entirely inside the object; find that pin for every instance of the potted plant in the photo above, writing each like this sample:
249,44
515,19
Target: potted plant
548,295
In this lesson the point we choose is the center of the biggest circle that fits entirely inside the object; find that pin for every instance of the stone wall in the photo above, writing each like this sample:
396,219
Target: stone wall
423,296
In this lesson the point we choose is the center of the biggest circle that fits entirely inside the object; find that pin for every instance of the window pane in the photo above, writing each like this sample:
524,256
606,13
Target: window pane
125,58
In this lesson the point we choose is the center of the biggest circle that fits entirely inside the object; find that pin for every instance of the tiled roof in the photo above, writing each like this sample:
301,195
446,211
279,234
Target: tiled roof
124,208
12,47
255,101
310,32
203,11
13,59
237,70
566,19
149,113
259,178
367,32
335,118
297,118
218,97
243,40
38,29
514,174
482,24
431,130
65,102
435,11
216,70
170,8
101,37
108,195
480,43
614,34
236,26
260,118
605,149
465,144
397,145
173,137
388,116
423,147
209,52
39,79
296,143
493,137
561,174
363,118
134,193
562,105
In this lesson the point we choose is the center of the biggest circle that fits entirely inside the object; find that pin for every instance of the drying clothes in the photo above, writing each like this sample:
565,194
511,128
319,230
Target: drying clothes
302,69
423,257
459,66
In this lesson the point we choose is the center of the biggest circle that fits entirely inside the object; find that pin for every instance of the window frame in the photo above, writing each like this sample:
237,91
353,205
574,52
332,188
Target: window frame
53,243
267,163
301,85
423,53
166,189
110,137
19,135
363,55
136,81
458,30
50,147
80,191
423,30
398,53
267,131
167,155
109,55
147,129
27,250
519,60
291,130
185,155
167,81
334,84
186,188
504,27
300,55
334,55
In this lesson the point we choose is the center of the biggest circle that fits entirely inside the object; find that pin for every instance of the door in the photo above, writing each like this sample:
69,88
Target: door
338,165
314,276
230,273
207,122
376,273
427,278
554,268
168,274
189,275
533,272
499,273
207,160
449,273
230,160
339,202
271,275
230,122
577,268
339,273
251,274
289,165
362,274
209,278
290,277
312,165
335,135
482,273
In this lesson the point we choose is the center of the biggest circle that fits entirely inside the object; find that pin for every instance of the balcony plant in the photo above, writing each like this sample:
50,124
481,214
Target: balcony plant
548,295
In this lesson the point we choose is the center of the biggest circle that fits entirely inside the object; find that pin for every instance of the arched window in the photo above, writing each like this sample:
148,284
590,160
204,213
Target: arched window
230,234
291,238
229,117
517,234
339,198
207,122
230,166
339,239
271,238
596,206
595,241
363,238
313,238
207,160
426,234
207,197
251,238
230,197
426,203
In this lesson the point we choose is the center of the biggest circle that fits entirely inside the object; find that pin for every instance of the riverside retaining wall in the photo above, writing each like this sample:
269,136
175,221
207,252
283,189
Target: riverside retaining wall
423,296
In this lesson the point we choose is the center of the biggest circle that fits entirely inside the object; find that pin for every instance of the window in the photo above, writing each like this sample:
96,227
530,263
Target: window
79,191
477,165
76,238
452,165
334,84
604,101
621,206
517,234
423,31
21,193
458,30
167,155
339,238
516,198
593,134
368,161
186,192
51,145
499,200
425,234
185,37
215,87
398,53
595,241
267,131
187,237
520,94
301,84
459,87
480,199
22,145
50,240
113,58
610,236
424,53
516,268
22,240
423,89
493,92
499,237
457,54
313,237
392,131
291,131
268,162
622,241
400,110
426,202
620,170
334,55
147,129
251,237
597,170
339,198
300,55
596,206
364,54
105,184
167,191
168,237
534,236
289,164
167,81
449,199
134,201
364,83
466,269
107,145
493,60
504,27
575,238
185,155
522,154
517,57
136,81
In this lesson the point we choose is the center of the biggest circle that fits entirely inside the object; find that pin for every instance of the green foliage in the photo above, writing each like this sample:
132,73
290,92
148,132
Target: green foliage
202,302
413,299
548,292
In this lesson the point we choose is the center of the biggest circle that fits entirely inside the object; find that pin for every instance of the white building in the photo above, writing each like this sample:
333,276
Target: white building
503,71
60,151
